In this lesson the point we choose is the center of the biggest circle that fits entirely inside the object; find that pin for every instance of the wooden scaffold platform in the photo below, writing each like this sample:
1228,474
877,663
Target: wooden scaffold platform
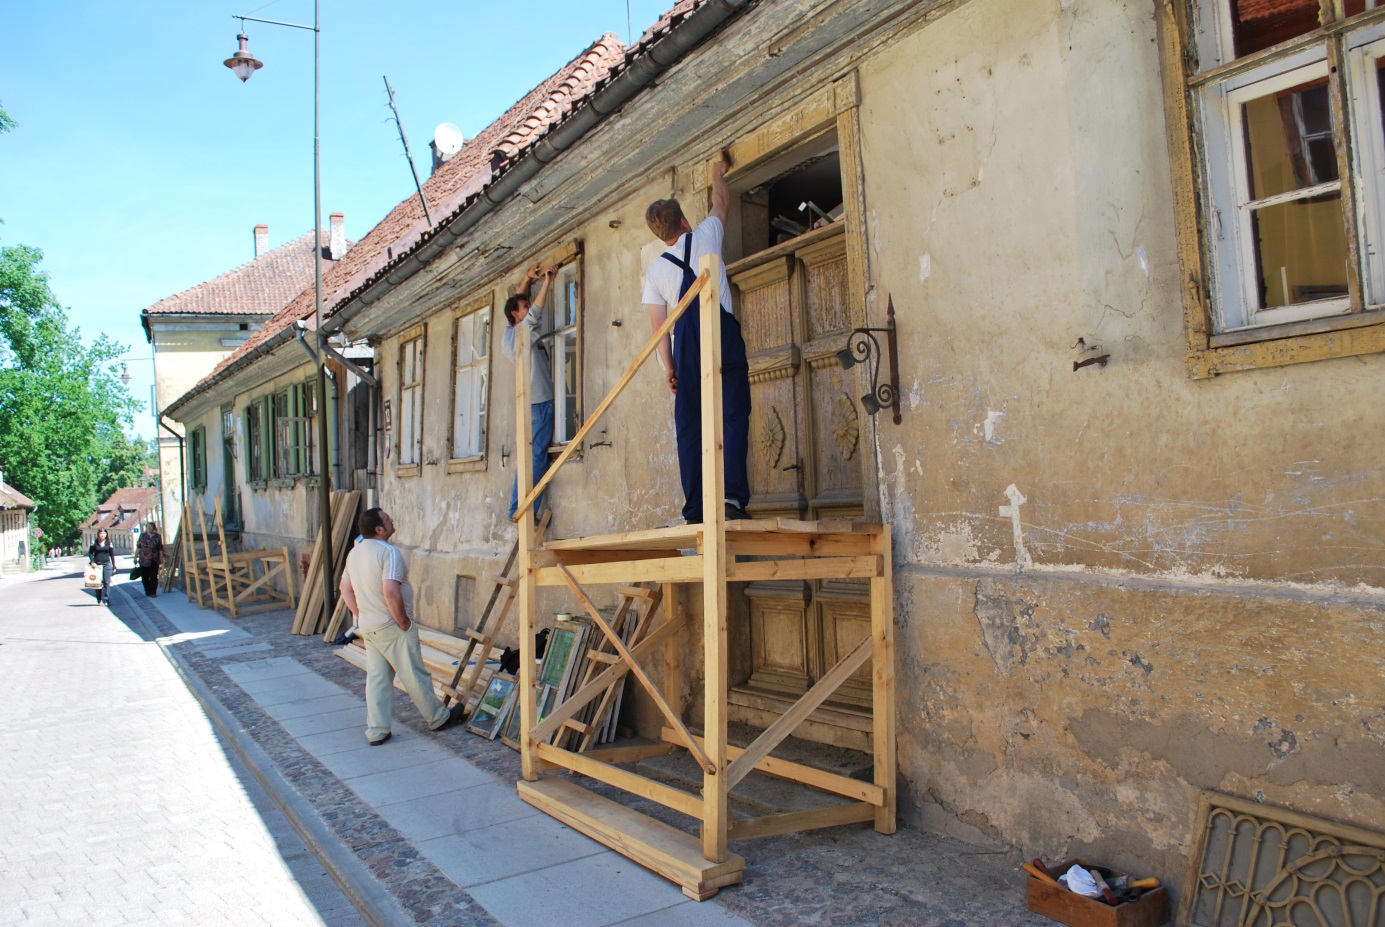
712,555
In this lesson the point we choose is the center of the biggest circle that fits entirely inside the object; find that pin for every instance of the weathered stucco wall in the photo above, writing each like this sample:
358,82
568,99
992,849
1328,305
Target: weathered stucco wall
1114,586
454,524
1187,591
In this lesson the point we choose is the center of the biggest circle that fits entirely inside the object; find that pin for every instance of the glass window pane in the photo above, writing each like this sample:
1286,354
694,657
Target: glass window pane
569,384
1300,251
1289,140
1258,24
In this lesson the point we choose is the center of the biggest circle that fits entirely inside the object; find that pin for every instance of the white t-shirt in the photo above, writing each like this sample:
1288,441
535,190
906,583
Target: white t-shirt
369,564
665,278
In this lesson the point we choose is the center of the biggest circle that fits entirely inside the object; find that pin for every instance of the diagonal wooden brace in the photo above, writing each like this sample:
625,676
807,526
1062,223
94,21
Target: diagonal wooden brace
669,714
776,732
604,681
624,381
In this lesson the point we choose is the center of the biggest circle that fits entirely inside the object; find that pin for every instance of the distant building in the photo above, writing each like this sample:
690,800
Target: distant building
193,331
123,516
15,542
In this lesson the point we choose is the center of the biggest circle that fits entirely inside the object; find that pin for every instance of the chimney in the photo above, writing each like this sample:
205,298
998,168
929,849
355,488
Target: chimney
261,240
336,246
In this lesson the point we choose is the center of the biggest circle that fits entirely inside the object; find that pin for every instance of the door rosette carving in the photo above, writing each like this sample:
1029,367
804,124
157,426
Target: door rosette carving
772,436
846,427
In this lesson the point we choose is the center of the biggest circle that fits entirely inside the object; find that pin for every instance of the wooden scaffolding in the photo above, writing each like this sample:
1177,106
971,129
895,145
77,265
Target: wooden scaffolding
711,555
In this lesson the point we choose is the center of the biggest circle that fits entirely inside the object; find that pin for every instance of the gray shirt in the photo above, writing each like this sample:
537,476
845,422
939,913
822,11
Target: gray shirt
369,564
541,367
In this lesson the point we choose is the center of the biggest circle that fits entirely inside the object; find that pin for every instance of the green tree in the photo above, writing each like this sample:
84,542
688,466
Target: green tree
60,403
123,461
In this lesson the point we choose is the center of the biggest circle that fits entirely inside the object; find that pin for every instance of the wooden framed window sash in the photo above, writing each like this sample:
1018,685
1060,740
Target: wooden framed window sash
471,330
565,349
411,369
1277,135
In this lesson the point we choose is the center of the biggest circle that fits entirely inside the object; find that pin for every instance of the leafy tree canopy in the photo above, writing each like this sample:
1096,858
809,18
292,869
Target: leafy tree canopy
62,409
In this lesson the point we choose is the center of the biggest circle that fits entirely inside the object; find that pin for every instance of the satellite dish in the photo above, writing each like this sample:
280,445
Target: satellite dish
448,140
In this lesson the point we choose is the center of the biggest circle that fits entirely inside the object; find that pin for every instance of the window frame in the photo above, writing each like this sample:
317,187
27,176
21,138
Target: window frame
258,449
1191,31
197,458
413,340
476,311
568,266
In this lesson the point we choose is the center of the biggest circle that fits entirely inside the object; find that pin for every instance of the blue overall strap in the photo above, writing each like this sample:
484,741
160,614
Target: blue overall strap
689,275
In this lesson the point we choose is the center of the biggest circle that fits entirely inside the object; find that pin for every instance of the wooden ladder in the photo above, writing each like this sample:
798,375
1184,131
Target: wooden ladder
482,638
192,567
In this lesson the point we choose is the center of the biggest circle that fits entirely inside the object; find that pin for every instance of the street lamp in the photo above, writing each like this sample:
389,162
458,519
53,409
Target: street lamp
243,65
158,421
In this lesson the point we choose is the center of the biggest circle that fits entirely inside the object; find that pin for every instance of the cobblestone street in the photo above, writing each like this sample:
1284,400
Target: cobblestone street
121,804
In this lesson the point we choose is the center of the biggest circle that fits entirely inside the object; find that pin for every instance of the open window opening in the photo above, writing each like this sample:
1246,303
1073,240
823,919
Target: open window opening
790,195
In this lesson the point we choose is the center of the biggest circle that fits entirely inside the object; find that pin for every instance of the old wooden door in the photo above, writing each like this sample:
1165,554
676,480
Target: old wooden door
805,462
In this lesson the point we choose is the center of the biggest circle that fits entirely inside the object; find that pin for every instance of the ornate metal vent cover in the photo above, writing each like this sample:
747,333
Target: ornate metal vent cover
1257,866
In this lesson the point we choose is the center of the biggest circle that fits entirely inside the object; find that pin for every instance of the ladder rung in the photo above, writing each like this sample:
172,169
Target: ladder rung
475,635
577,726
636,592
610,658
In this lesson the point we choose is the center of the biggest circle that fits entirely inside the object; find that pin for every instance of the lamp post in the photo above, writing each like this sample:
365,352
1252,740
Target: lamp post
154,408
243,64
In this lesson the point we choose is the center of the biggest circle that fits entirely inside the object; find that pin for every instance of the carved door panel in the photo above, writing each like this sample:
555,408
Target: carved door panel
804,454
772,346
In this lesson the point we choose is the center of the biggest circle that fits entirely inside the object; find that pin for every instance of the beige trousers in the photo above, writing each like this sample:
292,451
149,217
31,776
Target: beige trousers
390,651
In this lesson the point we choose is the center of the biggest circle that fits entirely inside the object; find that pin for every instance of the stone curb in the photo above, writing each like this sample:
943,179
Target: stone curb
376,905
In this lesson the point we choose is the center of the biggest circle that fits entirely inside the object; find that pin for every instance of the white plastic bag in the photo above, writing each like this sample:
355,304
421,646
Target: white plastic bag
1079,880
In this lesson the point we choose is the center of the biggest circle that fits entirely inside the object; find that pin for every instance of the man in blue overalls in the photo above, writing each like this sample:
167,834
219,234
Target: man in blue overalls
668,279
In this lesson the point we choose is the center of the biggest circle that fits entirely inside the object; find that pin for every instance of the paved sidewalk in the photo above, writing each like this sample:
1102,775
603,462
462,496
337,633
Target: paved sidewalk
121,804
434,822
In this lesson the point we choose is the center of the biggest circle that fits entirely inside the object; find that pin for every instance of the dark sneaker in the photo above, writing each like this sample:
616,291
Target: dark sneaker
376,743
735,513
455,716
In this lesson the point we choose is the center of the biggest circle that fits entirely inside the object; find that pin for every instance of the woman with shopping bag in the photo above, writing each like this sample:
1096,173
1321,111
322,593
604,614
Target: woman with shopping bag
102,556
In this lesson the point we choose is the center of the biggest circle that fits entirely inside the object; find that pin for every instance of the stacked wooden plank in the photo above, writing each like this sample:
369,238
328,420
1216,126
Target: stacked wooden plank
173,560
310,617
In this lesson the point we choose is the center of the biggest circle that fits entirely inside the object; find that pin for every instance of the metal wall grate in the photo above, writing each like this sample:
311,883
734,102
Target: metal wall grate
1259,866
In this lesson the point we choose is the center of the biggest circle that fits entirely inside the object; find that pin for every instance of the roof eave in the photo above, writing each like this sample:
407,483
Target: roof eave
622,88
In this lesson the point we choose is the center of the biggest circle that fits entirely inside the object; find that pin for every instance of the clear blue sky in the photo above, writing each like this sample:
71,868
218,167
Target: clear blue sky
140,165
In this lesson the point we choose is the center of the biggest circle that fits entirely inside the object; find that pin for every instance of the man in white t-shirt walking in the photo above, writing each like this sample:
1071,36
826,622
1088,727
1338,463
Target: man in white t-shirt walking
668,279
375,587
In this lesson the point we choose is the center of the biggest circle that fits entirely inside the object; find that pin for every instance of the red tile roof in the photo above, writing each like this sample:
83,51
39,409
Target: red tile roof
11,498
560,97
259,287
124,509
454,185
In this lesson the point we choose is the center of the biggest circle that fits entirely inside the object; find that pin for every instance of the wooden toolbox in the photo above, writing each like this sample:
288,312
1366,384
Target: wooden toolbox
1148,910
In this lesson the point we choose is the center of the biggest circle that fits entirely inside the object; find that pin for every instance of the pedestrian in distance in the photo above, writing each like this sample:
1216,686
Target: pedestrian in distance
375,587
668,279
102,555
149,556
520,310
